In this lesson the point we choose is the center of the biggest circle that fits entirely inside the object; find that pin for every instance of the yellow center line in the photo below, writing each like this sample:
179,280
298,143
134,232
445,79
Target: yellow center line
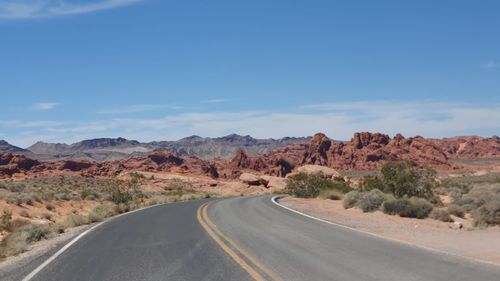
262,267
254,274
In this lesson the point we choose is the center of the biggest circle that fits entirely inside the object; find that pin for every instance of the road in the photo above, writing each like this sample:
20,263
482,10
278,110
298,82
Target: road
247,238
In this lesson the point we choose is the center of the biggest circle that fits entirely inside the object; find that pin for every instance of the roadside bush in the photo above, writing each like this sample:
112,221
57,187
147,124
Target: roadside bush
59,228
309,186
5,220
100,212
404,207
121,208
371,201
16,241
74,220
351,199
456,210
488,214
440,215
371,182
331,194
402,179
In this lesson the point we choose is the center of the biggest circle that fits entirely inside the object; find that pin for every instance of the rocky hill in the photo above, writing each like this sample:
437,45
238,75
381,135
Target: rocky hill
7,147
108,149
365,151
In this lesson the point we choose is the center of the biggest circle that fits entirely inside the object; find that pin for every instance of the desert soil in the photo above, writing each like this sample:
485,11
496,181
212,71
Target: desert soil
480,244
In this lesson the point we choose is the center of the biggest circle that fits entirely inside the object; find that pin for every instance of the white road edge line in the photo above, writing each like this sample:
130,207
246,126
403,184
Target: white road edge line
65,247
275,201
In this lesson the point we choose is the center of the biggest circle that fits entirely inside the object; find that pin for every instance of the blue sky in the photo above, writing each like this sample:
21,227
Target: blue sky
165,69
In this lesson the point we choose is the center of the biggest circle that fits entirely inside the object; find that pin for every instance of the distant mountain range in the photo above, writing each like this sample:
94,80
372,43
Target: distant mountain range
105,149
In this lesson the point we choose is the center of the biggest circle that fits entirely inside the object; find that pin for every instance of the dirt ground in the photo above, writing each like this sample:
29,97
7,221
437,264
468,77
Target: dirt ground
481,244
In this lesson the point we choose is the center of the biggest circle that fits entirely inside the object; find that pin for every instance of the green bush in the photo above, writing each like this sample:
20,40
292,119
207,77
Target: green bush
403,180
441,215
351,199
371,201
404,207
310,185
371,182
456,210
488,214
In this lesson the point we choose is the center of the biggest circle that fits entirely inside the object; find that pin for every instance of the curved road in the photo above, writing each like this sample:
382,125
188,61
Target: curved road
247,238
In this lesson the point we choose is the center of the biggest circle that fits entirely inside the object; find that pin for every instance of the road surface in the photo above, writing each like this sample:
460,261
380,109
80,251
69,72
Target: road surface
247,238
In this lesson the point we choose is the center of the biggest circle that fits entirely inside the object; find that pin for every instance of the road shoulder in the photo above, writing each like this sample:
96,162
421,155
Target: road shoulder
479,244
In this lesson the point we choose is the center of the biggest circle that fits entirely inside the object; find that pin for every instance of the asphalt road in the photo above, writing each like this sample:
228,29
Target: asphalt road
247,238
299,248
161,243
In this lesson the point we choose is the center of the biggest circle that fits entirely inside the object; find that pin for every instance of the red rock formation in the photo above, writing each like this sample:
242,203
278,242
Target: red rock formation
364,151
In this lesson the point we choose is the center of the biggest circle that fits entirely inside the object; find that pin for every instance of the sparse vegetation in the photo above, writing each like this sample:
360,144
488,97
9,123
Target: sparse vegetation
371,201
16,241
402,179
408,207
488,214
311,185
100,212
440,215
74,220
351,199
331,194
456,210
367,201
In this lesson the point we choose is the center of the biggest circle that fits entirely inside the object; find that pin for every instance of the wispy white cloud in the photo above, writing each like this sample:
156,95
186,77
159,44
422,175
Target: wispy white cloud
215,101
338,120
135,108
45,105
28,9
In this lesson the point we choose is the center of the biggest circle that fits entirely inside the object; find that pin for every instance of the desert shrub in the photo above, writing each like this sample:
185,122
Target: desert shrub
331,194
309,186
46,216
36,232
402,179
50,207
16,241
479,195
121,208
5,220
404,207
371,182
351,199
62,196
488,214
74,220
371,201
440,215
100,212
16,187
24,213
456,210
59,228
